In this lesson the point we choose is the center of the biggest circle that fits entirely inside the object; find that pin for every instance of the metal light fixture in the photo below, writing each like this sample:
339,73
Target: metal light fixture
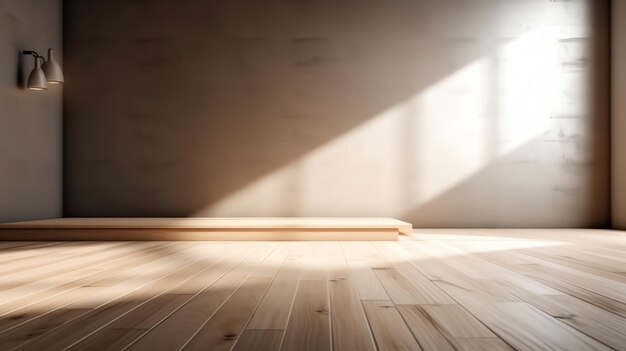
37,79
54,74
41,75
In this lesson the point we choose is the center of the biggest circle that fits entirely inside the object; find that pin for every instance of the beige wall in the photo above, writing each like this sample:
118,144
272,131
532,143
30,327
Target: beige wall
618,114
442,113
30,122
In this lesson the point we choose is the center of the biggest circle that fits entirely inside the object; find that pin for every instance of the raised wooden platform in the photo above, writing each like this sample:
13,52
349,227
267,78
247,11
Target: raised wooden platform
206,229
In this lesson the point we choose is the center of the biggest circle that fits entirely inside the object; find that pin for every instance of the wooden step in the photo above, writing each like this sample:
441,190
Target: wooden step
196,228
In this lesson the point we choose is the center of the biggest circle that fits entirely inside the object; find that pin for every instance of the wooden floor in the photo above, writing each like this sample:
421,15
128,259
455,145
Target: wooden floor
432,290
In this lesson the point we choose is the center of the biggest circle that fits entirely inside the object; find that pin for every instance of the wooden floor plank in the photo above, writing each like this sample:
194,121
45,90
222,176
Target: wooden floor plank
260,340
522,325
420,289
389,328
109,304
505,317
52,259
572,261
34,306
431,335
27,251
182,325
309,324
596,322
150,314
499,273
558,281
350,329
275,307
483,344
224,328
457,321
21,285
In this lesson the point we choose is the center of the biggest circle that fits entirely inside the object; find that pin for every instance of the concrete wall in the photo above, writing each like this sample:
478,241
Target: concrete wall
442,113
30,122
618,114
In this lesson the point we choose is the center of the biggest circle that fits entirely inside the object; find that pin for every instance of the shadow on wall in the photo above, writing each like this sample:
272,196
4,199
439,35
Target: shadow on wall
30,122
302,108
21,76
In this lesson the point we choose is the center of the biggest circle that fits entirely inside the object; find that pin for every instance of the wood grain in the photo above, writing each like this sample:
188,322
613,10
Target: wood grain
205,229
309,324
458,289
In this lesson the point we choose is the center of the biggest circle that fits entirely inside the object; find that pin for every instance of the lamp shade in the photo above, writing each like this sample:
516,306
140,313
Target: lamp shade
37,79
51,68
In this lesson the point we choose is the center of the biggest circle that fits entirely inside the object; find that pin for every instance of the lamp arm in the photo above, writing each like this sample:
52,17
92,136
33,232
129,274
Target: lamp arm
33,53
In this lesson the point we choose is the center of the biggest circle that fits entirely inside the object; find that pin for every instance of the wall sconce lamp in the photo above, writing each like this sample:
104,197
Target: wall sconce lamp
42,74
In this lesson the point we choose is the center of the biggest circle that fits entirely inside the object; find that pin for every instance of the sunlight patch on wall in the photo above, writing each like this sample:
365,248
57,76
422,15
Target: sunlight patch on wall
416,150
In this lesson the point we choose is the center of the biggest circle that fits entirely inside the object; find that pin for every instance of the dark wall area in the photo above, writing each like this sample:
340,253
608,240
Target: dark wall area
618,114
30,122
442,113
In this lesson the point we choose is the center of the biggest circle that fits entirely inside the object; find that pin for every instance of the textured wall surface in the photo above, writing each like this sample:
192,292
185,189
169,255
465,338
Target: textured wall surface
30,122
618,114
442,113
